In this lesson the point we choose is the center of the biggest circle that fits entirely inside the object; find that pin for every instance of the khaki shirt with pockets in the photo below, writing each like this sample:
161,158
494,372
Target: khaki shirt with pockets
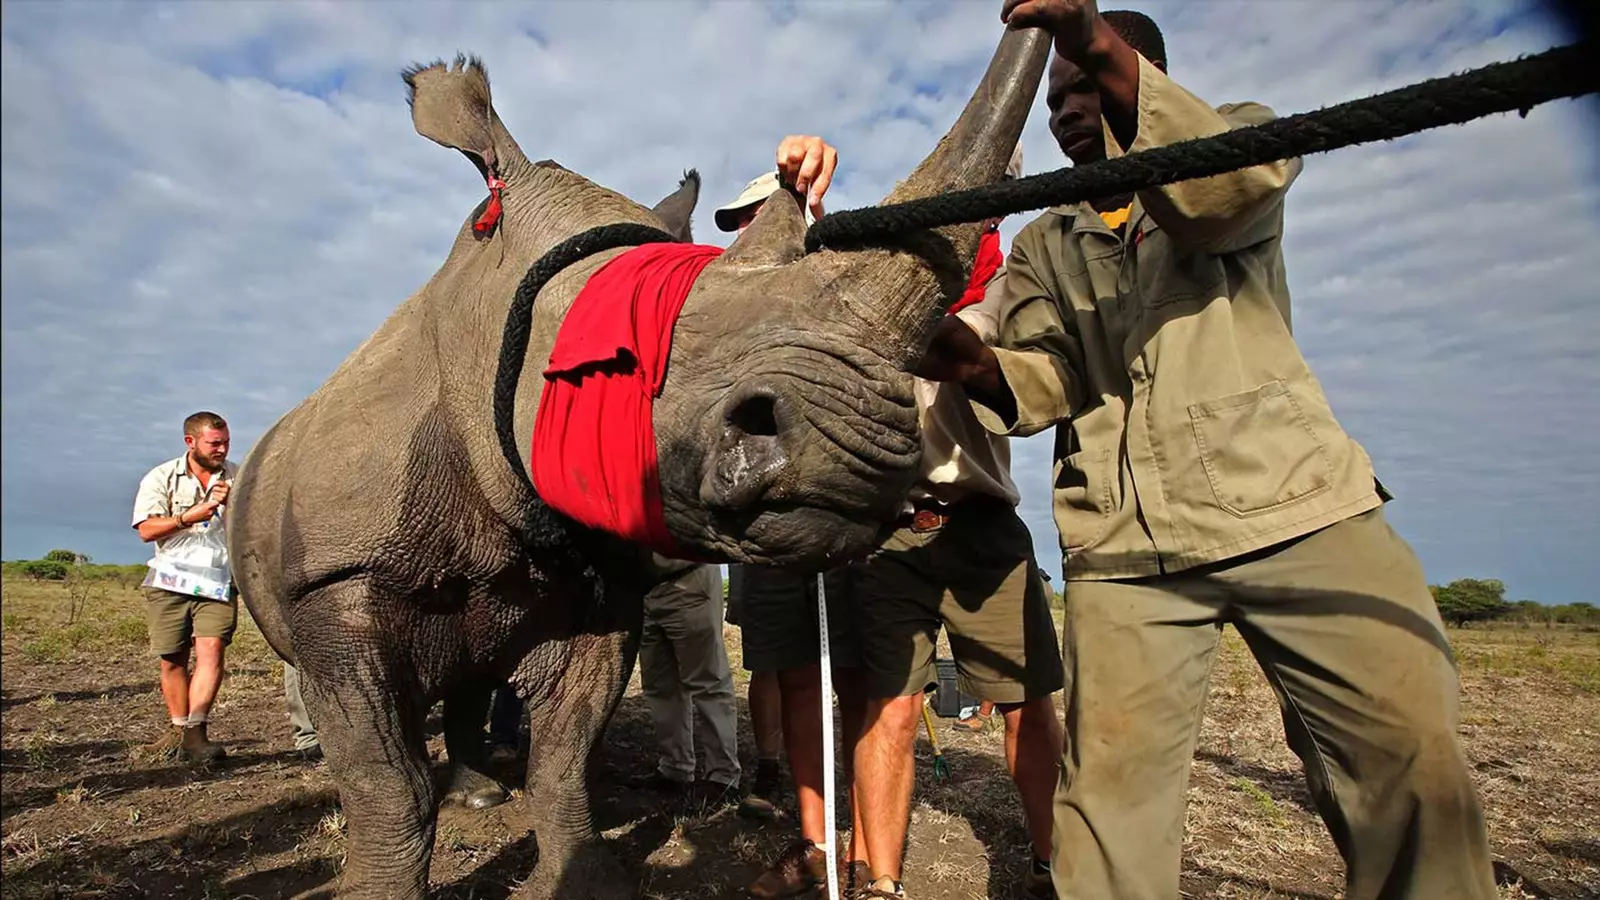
169,489
1194,430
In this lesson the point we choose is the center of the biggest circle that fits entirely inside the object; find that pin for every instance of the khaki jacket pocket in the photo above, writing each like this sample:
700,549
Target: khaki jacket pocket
1084,498
1259,451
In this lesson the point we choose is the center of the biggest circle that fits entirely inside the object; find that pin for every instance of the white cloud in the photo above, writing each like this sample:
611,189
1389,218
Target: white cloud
210,205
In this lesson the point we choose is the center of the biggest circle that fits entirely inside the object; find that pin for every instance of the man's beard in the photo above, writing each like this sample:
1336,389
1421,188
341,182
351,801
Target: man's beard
207,463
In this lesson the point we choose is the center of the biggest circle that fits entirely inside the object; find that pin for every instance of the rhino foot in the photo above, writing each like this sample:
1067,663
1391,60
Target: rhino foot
589,871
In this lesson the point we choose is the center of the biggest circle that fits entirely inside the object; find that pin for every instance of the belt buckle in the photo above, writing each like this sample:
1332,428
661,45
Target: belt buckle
926,520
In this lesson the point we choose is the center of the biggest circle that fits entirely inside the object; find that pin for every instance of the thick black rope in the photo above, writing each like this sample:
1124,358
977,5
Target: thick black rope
543,527
1520,84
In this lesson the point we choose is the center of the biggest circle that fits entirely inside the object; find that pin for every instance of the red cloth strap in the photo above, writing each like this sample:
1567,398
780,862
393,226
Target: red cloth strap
983,269
491,213
594,443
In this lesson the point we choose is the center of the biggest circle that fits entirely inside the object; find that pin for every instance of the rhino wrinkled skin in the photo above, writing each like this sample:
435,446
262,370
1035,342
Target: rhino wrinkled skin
377,529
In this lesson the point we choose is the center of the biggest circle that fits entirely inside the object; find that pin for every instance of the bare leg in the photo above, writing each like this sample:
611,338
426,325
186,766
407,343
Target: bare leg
207,677
1033,744
766,714
884,777
802,732
175,684
853,713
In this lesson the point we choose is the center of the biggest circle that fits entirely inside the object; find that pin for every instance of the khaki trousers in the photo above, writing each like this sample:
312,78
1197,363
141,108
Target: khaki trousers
685,677
1342,624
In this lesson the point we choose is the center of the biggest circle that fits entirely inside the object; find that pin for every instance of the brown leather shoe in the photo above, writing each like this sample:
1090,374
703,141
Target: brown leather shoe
799,870
198,748
162,748
854,879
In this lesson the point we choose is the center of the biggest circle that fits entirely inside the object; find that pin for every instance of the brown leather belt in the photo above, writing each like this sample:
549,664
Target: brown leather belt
923,521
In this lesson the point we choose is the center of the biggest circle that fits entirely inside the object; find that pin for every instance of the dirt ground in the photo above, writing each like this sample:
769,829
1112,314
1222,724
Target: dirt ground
80,818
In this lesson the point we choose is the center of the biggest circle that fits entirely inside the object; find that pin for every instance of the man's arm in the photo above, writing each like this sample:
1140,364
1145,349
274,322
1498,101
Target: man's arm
1143,108
1029,381
152,510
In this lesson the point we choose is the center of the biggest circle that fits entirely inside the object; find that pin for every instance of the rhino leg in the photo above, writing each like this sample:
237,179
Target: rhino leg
470,784
574,863
369,721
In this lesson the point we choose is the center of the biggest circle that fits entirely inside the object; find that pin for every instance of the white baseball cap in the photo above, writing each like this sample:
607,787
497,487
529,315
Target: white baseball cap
757,191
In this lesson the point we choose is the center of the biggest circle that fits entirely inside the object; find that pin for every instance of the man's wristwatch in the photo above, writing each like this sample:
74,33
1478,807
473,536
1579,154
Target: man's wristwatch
181,523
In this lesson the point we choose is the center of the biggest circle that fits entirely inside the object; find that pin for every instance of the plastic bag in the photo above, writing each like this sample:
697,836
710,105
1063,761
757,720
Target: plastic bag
194,562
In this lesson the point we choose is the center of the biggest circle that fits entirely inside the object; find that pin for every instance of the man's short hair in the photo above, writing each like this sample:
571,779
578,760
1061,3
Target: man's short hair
202,420
1140,32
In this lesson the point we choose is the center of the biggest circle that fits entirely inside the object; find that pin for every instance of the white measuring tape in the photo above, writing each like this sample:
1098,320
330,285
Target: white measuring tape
829,848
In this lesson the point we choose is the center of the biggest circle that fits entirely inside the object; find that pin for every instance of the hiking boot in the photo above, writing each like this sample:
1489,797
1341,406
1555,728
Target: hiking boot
977,723
884,888
196,747
1036,883
798,871
164,747
762,801
855,878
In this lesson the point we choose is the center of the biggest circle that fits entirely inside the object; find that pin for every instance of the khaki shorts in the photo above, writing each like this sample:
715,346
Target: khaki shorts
975,575
174,620
778,620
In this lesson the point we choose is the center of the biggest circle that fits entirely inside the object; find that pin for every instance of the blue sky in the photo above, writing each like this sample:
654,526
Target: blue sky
209,205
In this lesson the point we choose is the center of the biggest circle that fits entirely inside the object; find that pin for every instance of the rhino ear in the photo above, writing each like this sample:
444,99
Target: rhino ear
775,237
450,105
676,208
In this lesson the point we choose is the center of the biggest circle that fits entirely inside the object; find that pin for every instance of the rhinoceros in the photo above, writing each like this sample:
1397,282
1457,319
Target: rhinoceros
379,533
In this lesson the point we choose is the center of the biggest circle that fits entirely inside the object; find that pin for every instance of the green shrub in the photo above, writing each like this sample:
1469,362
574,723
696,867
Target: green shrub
128,630
45,569
48,647
79,635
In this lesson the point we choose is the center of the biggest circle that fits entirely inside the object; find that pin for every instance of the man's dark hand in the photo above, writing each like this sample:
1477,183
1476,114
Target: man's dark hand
1073,23
958,354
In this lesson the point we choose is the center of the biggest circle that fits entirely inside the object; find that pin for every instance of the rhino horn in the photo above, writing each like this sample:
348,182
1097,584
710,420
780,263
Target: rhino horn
975,152
451,106
677,208
775,237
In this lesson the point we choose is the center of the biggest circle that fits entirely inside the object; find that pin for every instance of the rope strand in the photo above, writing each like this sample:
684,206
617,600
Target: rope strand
1521,84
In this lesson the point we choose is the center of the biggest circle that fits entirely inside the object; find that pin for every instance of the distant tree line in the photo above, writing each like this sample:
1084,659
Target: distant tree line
1468,600
1461,602
63,565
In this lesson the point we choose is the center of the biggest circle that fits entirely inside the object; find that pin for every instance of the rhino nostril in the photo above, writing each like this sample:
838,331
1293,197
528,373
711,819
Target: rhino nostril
756,416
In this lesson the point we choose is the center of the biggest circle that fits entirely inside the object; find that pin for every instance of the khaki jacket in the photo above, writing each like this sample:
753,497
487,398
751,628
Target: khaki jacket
1195,432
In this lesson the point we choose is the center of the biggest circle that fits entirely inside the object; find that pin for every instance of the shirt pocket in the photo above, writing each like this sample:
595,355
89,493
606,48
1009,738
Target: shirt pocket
1259,450
1084,498
1171,274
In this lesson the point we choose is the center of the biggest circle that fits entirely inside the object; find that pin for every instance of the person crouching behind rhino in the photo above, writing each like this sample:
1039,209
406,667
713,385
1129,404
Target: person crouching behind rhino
190,599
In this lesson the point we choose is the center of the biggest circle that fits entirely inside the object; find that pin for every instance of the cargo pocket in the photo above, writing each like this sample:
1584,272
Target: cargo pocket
1083,498
1259,451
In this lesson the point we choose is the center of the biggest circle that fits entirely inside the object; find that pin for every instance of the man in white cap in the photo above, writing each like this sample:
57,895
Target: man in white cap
961,559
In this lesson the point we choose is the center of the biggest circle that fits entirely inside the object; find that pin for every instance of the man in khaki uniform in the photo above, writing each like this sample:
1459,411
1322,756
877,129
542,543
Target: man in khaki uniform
1202,479
684,673
179,495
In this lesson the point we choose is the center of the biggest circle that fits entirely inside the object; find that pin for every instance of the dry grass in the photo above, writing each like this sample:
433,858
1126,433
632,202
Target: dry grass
80,819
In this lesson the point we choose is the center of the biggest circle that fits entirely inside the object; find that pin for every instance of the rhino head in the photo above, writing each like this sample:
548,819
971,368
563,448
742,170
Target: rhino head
786,430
